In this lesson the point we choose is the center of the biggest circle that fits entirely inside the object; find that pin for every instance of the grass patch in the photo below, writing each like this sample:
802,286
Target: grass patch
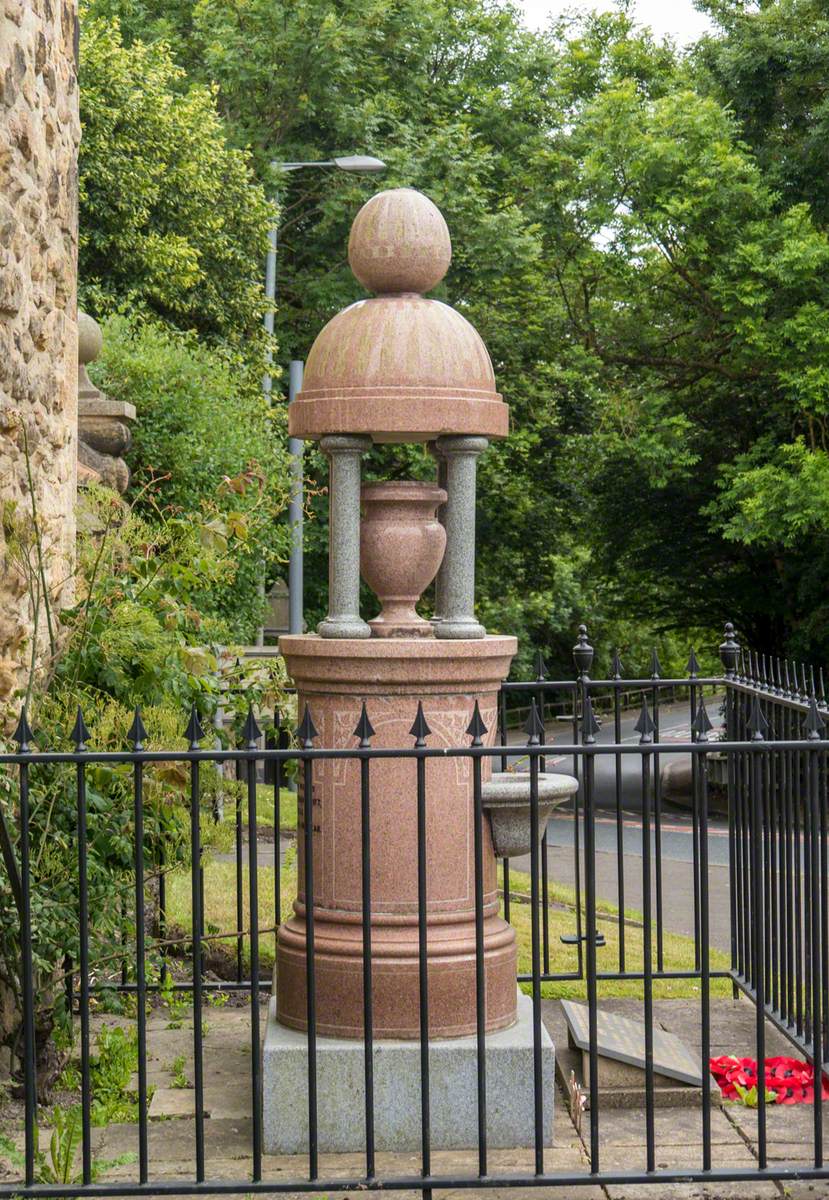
678,951
265,807
220,904
220,917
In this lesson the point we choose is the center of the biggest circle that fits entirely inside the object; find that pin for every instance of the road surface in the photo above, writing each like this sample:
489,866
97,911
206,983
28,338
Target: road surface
676,828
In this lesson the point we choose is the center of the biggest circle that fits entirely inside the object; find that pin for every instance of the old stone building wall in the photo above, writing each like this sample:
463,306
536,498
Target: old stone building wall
39,134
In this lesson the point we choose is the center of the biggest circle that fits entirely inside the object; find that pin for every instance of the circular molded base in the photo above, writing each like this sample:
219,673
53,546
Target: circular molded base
364,666
418,628
395,978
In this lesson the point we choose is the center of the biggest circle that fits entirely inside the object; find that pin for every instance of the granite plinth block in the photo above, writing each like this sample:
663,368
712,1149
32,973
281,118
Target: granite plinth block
452,1090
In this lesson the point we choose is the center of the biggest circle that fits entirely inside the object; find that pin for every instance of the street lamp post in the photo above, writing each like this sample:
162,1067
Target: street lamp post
356,164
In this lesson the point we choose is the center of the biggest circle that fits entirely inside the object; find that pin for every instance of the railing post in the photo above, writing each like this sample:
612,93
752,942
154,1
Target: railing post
729,656
23,736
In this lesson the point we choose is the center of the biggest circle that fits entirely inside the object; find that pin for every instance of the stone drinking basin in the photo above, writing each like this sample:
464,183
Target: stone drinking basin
506,801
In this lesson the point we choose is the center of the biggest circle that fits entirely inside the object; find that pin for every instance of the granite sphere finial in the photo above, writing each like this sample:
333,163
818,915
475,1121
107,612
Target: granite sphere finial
90,338
399,243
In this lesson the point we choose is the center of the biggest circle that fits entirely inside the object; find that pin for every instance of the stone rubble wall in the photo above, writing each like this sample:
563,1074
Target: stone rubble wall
39,134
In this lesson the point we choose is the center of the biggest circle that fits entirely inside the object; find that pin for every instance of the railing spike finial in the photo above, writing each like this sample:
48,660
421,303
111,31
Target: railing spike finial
729,650
364,730
764,678
420,727
778,677
656,666
788,678
692,668
822,696
740,672
645,726
476,728
137,733
812,689
534,726
815,725
194,732
583,653
80,734
616,669
250,730
589,725
540,667
804,690
701,726
23,733
758,726
307,730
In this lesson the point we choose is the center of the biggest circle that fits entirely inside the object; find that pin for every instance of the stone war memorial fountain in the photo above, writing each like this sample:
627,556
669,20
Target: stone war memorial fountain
399,367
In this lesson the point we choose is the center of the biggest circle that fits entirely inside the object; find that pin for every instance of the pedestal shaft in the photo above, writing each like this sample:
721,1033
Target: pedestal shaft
334,678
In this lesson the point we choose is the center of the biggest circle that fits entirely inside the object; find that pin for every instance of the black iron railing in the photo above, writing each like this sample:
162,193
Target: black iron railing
780,941
775,755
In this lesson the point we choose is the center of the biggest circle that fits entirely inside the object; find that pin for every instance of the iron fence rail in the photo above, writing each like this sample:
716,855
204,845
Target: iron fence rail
777,837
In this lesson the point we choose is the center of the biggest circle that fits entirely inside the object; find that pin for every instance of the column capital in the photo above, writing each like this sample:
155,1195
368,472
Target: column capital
334,443
450,444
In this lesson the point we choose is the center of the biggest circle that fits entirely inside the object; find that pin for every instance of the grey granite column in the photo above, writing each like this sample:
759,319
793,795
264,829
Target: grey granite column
343,620
458,570
440,579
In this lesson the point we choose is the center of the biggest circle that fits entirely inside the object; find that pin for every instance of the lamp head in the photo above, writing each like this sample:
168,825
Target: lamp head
360,162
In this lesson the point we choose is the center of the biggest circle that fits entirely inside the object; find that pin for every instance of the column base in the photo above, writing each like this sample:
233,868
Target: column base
463,627
343,627
452,1090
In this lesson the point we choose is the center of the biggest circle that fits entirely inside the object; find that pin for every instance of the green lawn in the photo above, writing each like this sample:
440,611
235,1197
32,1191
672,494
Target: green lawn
264,808
220,916
678,951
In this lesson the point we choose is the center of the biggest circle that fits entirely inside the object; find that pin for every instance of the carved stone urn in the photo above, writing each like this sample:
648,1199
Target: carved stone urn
401,548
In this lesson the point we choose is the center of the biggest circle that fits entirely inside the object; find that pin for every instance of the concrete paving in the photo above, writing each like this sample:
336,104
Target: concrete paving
621,1131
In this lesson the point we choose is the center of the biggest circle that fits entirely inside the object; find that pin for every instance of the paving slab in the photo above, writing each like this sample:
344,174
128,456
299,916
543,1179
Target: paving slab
802,1189
723,1157
787,1126
674,1128
228,1129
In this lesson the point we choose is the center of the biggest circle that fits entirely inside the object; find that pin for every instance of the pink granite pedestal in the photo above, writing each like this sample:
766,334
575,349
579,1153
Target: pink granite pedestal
334,677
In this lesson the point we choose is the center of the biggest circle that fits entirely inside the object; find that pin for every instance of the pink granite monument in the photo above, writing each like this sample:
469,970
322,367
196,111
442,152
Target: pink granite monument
398,367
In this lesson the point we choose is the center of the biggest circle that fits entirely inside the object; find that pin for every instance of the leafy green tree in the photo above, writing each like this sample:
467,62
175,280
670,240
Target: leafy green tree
705,304
639,237
769,62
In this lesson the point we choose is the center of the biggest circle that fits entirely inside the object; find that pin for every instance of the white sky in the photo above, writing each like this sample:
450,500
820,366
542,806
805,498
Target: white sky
678,18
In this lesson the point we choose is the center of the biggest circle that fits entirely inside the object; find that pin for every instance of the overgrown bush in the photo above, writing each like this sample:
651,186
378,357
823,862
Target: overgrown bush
135,637
206,445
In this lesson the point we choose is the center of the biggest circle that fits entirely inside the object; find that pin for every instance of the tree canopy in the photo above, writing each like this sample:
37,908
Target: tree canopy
640,236
173,229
